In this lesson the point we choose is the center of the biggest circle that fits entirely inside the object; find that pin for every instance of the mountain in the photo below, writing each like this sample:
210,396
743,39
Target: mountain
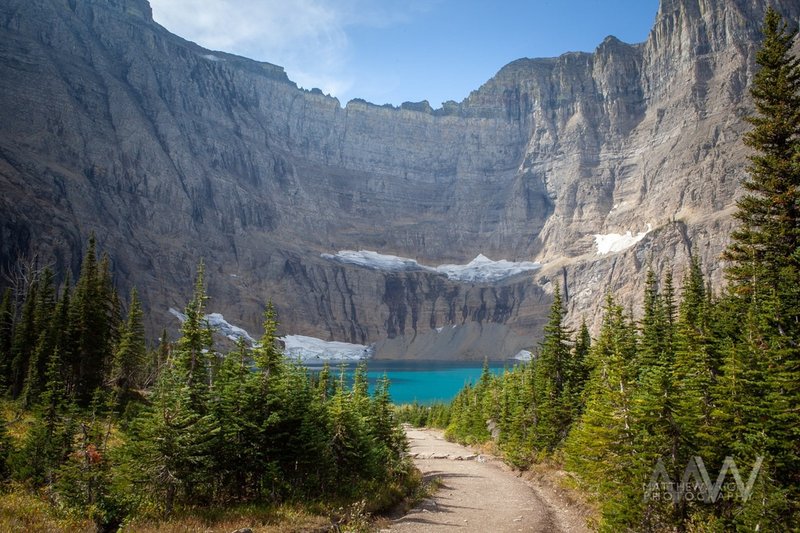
171,153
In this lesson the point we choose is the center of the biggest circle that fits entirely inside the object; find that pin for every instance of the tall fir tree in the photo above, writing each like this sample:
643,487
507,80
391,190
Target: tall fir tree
579,369
92,327
692,372
49,441
552,371
759,389
24,341
128,365
47,333
601,446
764,248
6,336
191,353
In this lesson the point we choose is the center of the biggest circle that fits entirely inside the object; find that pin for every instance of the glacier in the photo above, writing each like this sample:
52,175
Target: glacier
375,261
309,349
218,323
484,270
297,347
524,355
479,270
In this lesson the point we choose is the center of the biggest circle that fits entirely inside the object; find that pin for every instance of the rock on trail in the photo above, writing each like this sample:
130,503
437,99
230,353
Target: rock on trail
478,494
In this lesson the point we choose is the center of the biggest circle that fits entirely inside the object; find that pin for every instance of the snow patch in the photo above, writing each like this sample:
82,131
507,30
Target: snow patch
212,57
524,355
376,261
218,323
483,269
234,333
177,314
615,242
480,269
310,349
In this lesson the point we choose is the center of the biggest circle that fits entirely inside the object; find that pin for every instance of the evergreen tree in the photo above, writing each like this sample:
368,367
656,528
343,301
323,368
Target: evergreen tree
191,351
6,337
764,248
384,426
23,342
579,369
234,407
91,325
552,369
268,357
46,339
49,441
350,444
759,390
129,359
173,443
601,446
61,323
692,371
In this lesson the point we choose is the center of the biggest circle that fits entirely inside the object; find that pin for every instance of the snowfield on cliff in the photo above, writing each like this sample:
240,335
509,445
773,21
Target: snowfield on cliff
297,347
310,349
220,325
616,242
479,270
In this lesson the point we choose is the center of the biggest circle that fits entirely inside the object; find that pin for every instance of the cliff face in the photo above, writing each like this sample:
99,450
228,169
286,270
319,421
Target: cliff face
170,152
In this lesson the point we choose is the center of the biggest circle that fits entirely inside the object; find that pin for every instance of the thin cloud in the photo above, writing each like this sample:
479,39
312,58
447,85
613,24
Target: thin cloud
307,37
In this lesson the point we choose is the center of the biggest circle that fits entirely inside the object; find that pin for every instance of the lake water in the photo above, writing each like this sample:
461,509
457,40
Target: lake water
424,381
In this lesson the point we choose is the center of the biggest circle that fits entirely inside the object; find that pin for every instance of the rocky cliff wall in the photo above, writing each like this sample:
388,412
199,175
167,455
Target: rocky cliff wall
170,152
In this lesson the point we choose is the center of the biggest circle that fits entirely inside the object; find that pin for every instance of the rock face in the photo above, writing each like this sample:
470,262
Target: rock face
171,153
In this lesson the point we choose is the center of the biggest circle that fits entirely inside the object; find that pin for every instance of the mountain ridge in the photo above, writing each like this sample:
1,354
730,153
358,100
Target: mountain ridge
109,121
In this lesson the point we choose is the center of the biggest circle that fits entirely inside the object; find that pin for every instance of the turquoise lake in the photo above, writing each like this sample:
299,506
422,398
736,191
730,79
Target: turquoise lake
424,381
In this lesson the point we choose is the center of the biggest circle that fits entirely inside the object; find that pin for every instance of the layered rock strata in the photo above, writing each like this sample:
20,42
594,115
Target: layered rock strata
171,153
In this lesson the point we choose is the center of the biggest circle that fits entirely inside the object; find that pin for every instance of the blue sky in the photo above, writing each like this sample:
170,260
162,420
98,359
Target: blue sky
392,51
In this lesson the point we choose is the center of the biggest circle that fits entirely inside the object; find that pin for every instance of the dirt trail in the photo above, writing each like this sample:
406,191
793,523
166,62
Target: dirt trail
479,494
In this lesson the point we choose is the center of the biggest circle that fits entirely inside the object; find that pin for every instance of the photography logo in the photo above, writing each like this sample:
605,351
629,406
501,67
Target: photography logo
696,485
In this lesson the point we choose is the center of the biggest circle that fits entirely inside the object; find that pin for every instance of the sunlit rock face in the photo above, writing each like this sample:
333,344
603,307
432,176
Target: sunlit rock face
171,153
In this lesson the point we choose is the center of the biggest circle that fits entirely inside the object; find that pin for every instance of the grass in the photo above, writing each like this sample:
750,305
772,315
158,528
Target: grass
259,518
18,421
21,510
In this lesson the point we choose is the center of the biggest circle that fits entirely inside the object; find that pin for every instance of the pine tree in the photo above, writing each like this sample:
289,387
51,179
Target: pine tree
129,359
601,446
759,391
324,383
158,358
46,339
354,455
268,357
552,369
579,369
384,427
234,406
692,380
173,443
49,441
767,241
692,371
192,349
92,328
6,337
23,342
